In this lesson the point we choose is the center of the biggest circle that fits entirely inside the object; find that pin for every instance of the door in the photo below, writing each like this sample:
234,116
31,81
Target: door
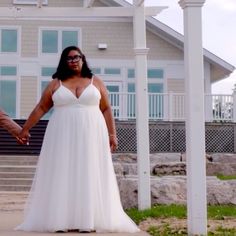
114,90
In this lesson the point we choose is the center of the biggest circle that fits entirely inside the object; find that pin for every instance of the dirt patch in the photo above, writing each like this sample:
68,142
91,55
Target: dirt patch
177,224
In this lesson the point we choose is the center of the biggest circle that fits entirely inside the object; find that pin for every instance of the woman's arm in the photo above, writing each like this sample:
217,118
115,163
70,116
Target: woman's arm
105,107
8,124
40,109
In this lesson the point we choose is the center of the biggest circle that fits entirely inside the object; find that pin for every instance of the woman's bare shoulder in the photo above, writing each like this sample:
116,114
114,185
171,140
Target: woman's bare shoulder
98,81
54,85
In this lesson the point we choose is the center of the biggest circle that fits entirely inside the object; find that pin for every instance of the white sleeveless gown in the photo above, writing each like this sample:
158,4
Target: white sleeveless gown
75,185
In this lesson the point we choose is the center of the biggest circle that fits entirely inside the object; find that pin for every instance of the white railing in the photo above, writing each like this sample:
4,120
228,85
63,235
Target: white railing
170,107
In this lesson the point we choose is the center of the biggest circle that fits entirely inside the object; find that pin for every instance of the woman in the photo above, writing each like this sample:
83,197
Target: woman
75,186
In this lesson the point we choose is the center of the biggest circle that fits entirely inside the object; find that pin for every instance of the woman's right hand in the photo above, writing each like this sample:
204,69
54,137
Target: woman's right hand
23,137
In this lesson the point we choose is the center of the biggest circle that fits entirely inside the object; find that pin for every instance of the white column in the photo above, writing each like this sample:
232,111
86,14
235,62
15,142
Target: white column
208,94
142,126
234,105
195,125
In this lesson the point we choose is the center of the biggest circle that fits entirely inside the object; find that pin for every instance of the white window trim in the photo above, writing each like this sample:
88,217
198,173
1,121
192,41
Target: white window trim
30,2
59,29
18,29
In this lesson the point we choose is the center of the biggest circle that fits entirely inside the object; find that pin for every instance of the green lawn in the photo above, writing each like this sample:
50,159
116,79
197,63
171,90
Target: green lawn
220,212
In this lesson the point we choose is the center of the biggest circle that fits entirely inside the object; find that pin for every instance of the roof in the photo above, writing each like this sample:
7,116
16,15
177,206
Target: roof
220,69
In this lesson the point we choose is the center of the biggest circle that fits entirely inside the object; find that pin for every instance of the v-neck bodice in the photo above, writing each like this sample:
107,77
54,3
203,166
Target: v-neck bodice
63,96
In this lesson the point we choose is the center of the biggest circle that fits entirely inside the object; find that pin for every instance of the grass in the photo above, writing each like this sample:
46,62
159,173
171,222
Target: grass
219,212
158,211
225,177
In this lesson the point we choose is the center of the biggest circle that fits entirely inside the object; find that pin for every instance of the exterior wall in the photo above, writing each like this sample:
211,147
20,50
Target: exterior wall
117,33
28,95
5,3
65,3
162,50
175,85
51,3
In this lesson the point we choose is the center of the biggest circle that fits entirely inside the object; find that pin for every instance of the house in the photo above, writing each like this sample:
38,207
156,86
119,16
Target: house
30,48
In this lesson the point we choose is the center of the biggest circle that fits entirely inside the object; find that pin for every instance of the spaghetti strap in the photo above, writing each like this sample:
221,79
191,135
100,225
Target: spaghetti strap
92,79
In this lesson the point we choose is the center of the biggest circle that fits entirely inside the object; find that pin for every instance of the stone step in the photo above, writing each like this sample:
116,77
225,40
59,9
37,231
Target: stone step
25,158
15,181
17,169
18,162
27,175
15,188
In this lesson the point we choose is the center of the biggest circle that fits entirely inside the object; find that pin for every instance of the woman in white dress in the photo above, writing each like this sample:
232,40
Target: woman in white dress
75,186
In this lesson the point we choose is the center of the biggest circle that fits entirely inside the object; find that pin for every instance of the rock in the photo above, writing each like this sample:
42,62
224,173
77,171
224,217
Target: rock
224,157
171,168
172,190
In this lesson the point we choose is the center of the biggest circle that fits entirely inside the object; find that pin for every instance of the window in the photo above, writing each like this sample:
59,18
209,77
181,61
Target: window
155,88
49,41
8,89
48,71
54,41
96,71
151,73
112,71
8,40
131,73
8,70
31,2
69,38
155,74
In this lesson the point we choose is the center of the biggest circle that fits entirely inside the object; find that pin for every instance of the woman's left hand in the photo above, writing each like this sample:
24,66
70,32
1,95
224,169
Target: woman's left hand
113,142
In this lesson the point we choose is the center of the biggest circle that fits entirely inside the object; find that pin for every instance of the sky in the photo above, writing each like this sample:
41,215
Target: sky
218,31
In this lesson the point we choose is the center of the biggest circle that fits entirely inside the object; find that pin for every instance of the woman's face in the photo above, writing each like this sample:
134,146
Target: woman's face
74,61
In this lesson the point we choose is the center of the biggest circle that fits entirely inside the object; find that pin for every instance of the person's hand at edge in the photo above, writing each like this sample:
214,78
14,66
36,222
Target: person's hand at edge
113,142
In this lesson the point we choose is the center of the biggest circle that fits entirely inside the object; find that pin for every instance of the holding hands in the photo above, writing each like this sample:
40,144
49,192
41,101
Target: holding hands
23,137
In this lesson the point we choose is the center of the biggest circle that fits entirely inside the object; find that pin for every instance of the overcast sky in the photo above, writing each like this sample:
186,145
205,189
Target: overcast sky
218,28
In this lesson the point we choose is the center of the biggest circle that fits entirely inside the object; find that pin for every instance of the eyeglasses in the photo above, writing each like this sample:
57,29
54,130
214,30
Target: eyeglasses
73,59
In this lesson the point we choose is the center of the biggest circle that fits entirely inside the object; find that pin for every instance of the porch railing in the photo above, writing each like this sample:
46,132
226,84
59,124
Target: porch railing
171,106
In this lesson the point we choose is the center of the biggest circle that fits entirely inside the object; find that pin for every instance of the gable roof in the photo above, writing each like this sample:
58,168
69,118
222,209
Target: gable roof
220,69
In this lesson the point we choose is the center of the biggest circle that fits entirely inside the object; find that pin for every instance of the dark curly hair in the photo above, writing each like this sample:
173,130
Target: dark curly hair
63,71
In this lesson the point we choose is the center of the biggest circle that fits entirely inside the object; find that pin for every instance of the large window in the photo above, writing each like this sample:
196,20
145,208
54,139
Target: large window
8,89
8,43
54,41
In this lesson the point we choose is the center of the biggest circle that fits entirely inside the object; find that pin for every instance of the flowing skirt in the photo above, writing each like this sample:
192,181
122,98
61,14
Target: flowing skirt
75,185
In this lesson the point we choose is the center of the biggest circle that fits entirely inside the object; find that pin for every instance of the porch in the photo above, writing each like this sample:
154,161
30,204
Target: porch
171,107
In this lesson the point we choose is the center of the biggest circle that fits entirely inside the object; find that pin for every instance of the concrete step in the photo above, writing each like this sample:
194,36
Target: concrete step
12,157
15,181
18,162
14,188
17,169
27,175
